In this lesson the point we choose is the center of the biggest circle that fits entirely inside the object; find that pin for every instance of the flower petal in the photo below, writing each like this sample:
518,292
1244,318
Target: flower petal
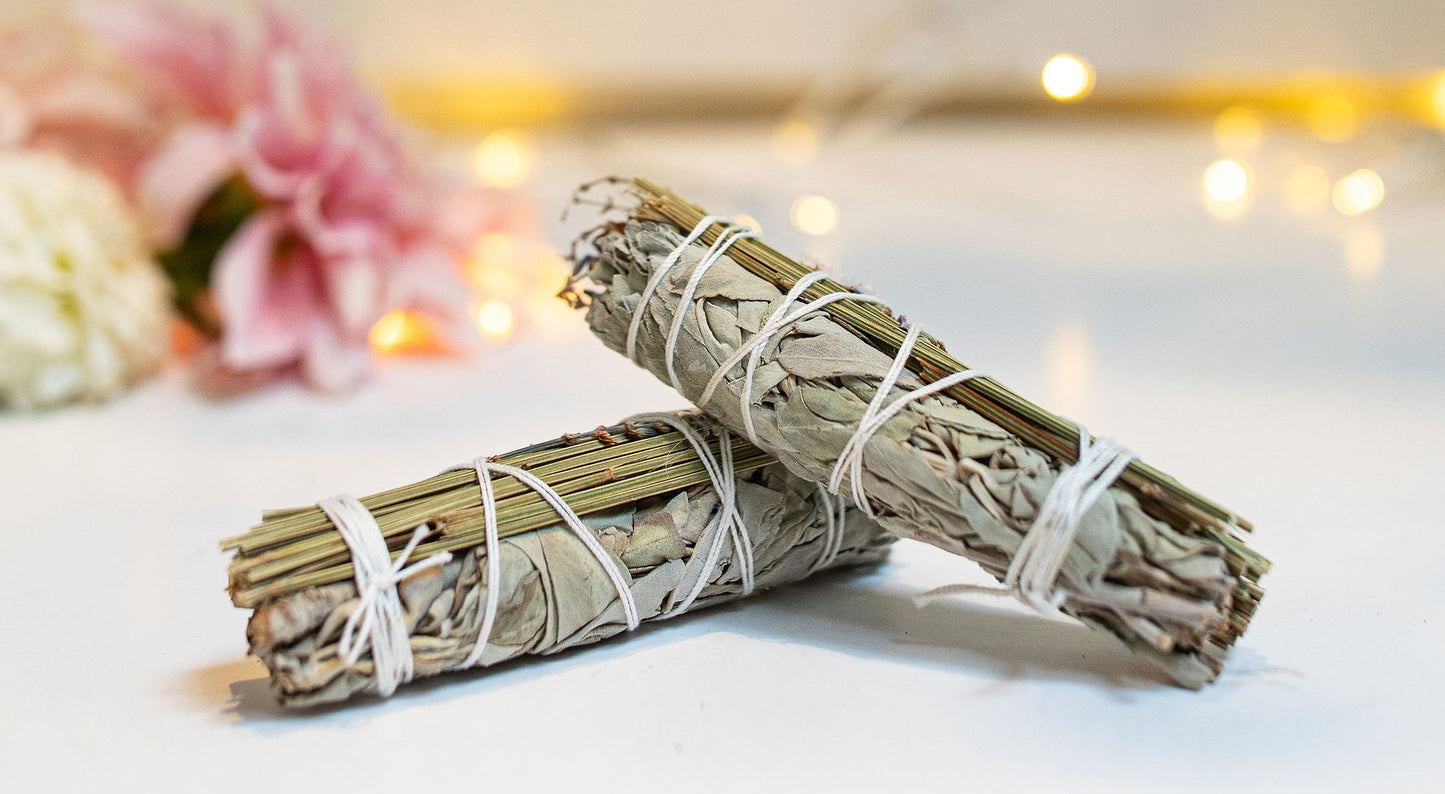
15,120
355,288
189,167
268,294
335,363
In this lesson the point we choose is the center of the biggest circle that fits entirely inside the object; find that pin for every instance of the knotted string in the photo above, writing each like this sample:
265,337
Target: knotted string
484,469
729,522
1034,571
754,348
379,621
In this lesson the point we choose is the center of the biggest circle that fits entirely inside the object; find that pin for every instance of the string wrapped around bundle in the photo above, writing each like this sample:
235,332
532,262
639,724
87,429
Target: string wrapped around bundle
557,545
846,394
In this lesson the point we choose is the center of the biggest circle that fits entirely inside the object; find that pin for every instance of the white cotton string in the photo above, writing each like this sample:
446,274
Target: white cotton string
772,327
725,240
755,356
834,515
494,562
1040,557
721,472
877,415
658,274
729,523
1034,571
869,426
753,349
862,433
379,620
484,469
778,320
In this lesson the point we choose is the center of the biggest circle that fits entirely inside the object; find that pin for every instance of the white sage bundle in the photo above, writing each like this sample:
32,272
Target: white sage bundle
843,393
593,534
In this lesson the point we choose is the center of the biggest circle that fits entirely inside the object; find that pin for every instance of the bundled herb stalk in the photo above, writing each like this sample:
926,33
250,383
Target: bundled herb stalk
969,468
658,512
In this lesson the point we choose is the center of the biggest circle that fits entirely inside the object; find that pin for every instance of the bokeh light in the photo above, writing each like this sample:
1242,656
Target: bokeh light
748,221
1307,190
1358,192
1238,128
1070,366
495,264
538,308
1437,99
1067,78
399,332
814,215
1226,180
1228,187
795,142
1332,117
551,270
387,332
517,279
1364,251
503,159
495,319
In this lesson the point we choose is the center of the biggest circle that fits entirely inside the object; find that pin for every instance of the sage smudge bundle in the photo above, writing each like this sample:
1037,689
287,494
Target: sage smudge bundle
591,534
842,392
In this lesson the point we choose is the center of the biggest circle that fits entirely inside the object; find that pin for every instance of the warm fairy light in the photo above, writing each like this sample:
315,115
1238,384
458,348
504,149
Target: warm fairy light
1307,190
400,332
814,215
1364,251
503,159
496,248
1068,78
386,334
492,278
494,319
748,221
1226,180
545,316
795,142
1227,188
519,279
1238,128
1358,192
1332,117
549,269
1437,99
496,260
1070,366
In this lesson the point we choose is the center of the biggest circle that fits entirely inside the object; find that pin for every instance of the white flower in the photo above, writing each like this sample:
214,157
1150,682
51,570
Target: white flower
84,310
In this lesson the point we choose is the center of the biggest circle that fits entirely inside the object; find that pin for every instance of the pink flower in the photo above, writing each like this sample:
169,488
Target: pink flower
59,92
348,228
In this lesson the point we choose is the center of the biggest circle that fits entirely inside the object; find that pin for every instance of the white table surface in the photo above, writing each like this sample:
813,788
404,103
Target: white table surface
1247,358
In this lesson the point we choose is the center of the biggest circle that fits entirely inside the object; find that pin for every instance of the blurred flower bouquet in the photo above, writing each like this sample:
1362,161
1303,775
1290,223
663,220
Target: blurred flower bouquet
82,307
289,211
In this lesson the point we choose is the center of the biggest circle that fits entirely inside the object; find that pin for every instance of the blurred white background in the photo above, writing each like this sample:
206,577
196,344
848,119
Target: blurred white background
652,43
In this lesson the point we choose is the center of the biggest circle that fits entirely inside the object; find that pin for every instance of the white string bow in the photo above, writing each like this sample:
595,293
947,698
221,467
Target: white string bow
379,620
